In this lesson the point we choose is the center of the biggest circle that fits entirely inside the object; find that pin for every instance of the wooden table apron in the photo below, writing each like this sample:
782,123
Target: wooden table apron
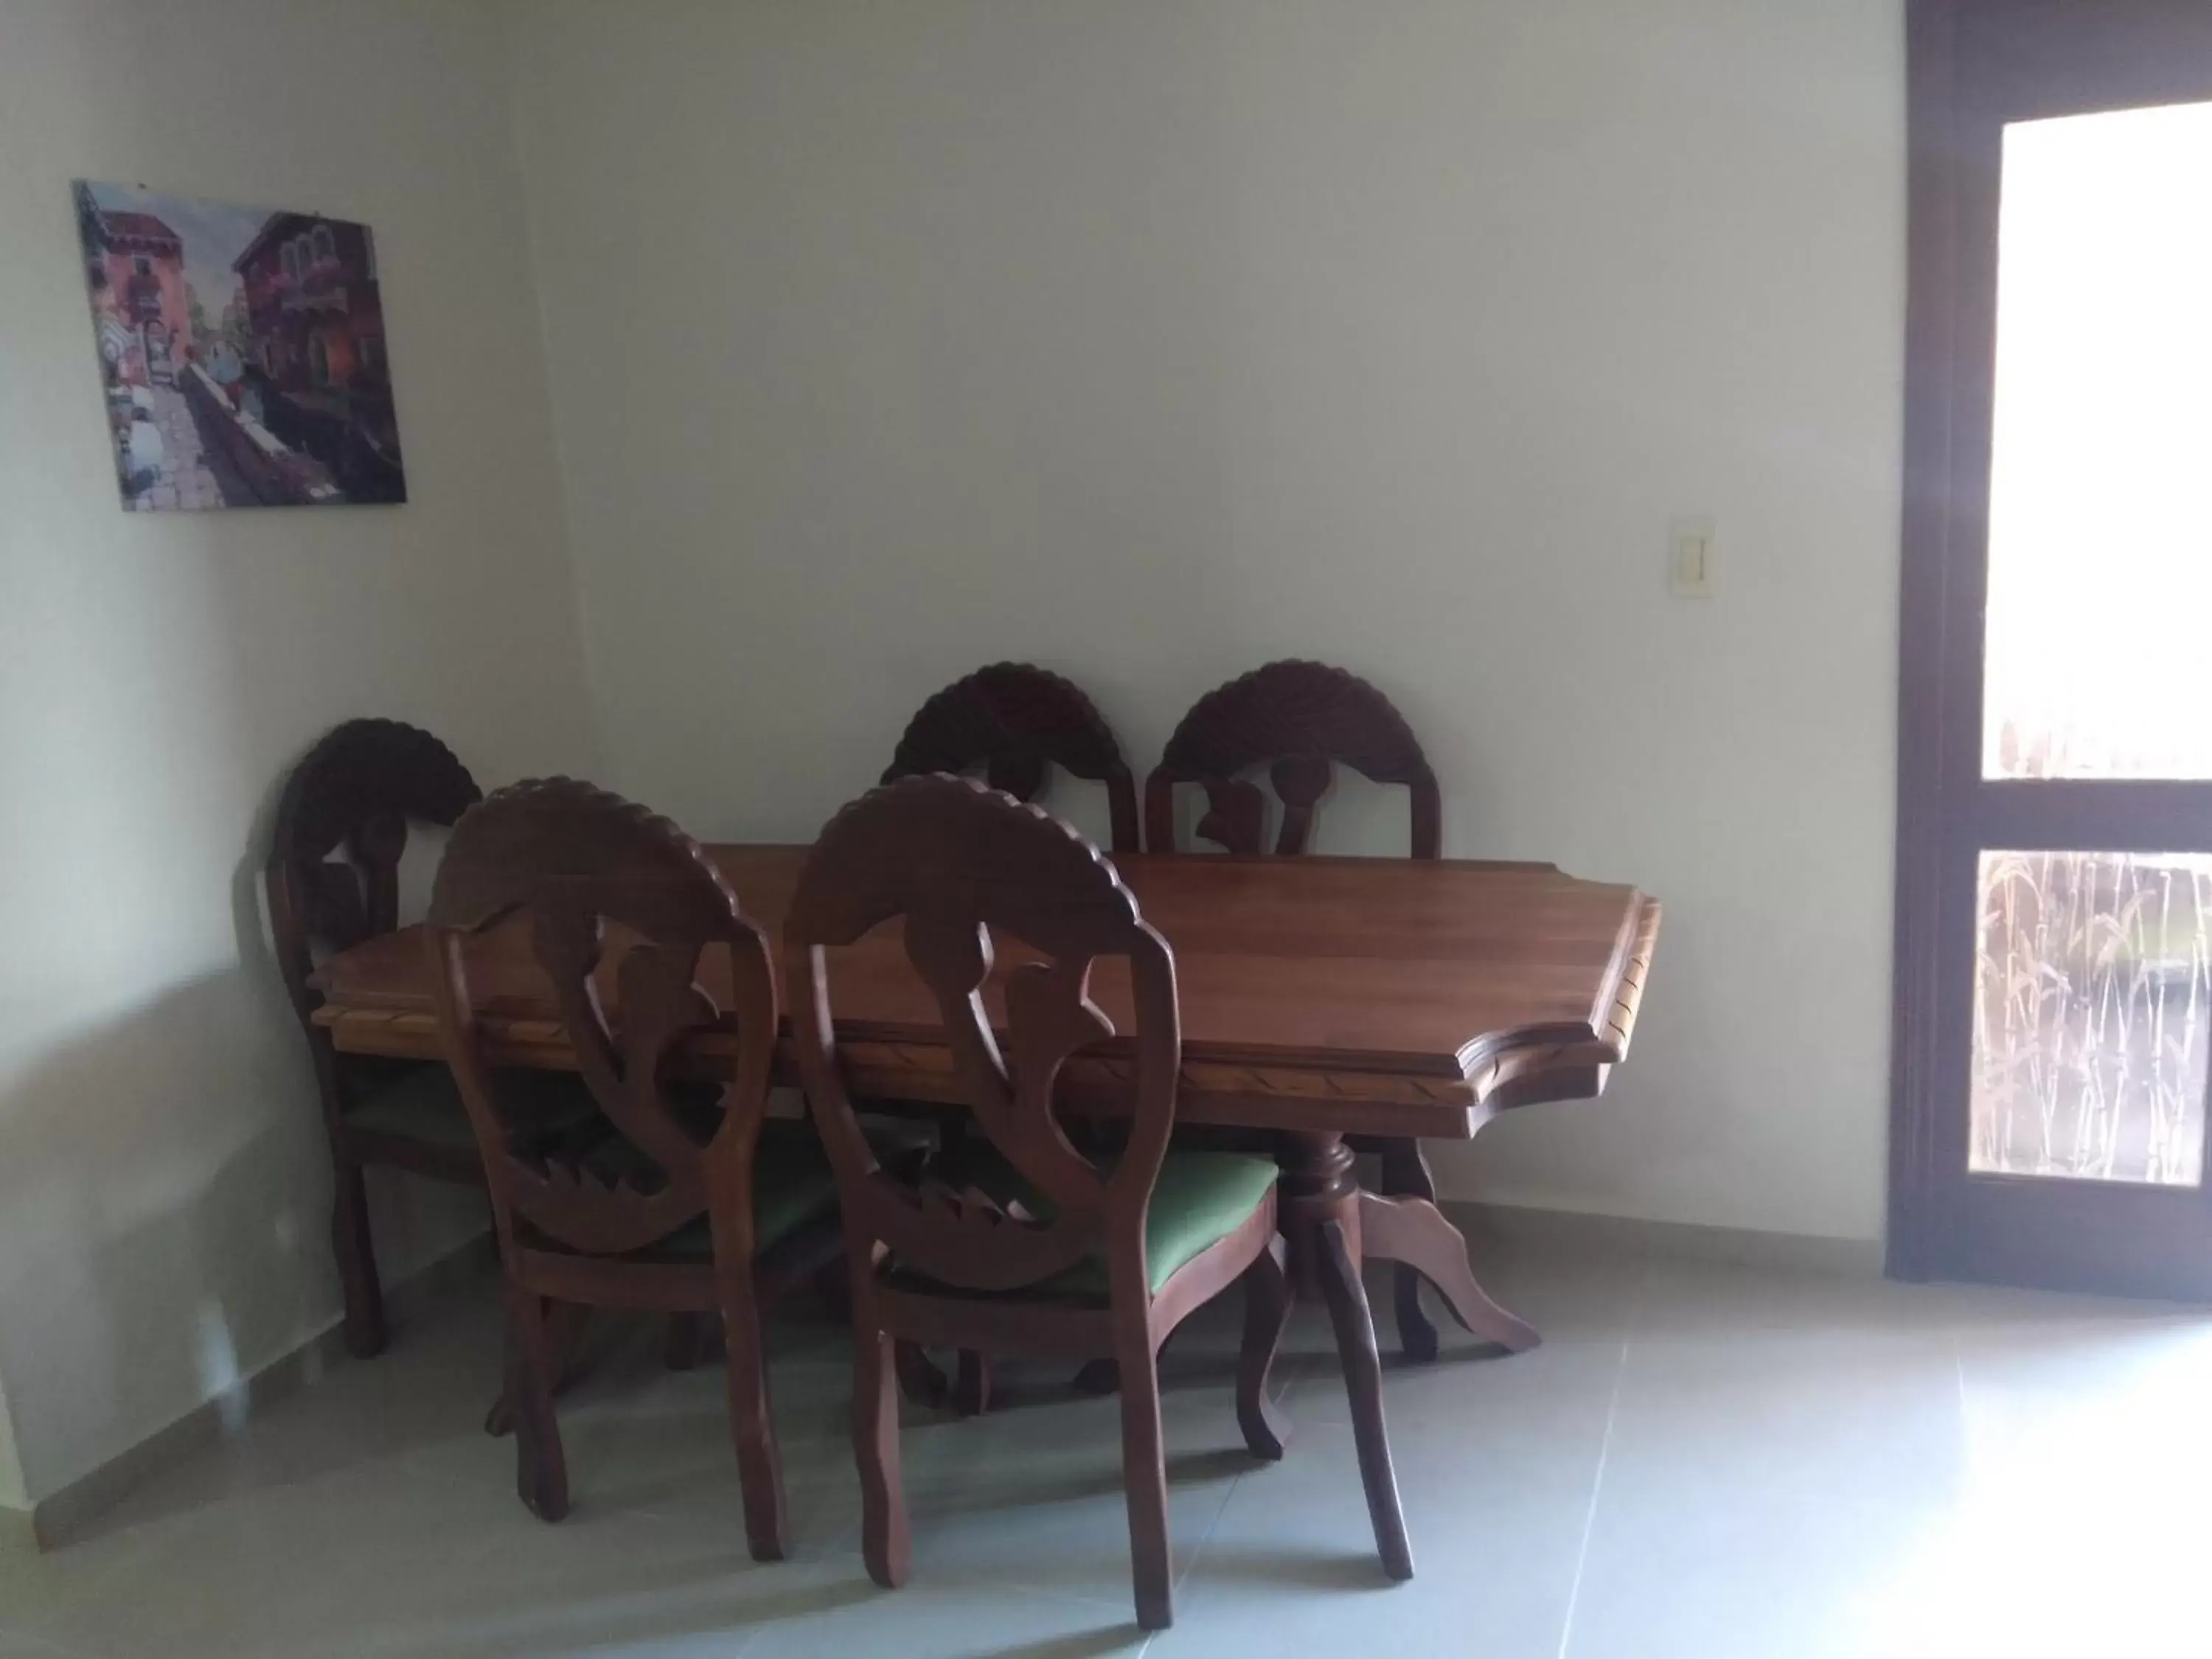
1321,998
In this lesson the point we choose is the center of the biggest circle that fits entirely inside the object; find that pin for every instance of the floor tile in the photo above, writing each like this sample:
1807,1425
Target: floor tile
13,1646
1765,1483
252,1570
1294,1556
2084,1499
1697,1460
604,1582
1697,1301
1496,1458
1570,1294
1030,1494
837,1613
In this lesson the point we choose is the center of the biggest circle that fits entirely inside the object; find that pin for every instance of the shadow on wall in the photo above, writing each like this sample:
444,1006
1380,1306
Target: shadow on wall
164,1210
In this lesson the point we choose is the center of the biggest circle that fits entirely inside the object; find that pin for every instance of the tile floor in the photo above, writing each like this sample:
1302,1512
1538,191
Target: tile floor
1700,1461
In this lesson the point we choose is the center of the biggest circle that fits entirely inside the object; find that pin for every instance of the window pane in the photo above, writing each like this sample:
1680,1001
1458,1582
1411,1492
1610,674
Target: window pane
2093,987
2101,485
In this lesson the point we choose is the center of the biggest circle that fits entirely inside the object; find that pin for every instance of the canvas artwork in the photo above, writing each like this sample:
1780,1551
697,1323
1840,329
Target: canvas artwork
242,353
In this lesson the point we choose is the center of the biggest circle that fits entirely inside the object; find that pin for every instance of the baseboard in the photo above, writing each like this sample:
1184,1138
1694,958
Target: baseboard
1745,1247
57,1519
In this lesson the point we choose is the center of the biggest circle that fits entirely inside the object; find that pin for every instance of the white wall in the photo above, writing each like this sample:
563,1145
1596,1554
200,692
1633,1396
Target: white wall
1156,338
163,1188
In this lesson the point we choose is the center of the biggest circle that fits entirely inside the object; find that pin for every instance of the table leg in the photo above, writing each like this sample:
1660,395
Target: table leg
1322,1212
1414,1232
1405,1175
971,1387
566,1323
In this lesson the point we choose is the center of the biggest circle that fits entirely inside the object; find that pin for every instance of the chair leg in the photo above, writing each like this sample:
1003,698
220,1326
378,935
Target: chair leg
1145,1476
760,1462
355,1250
1267,1311
1405,1175
541,1470
1363,1383
885,1543
971,1394
567,1324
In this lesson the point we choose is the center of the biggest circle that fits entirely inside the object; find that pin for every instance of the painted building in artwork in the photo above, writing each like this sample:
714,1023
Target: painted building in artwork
135,269
314,323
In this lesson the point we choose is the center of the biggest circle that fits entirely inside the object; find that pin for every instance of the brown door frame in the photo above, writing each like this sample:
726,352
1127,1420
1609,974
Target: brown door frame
1973,66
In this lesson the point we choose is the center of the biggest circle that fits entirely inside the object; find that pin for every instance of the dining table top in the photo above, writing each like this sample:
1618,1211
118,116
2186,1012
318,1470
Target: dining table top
1390,996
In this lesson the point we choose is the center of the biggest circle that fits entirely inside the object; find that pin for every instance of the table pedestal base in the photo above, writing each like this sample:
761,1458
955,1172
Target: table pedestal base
1412,1232
1319,1200
1333,1227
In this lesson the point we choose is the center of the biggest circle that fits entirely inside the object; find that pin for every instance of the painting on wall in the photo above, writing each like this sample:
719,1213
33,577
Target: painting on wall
242,353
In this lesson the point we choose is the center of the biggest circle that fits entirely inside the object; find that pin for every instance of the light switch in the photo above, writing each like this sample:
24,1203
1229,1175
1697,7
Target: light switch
1690,558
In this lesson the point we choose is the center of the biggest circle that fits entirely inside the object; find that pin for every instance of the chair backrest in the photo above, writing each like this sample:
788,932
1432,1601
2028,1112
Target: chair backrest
958,862
1008,721
617,899
1299,719
342,824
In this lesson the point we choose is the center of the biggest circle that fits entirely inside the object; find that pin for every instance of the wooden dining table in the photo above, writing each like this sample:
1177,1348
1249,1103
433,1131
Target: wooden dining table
1321,998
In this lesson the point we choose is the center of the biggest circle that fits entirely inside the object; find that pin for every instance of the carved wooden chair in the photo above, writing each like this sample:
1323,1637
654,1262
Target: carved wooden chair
680,1197
1010,721
1025,1245
332,880
1300,719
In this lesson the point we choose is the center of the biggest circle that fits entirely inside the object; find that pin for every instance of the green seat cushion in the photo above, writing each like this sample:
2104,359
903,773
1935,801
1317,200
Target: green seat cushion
1200,1199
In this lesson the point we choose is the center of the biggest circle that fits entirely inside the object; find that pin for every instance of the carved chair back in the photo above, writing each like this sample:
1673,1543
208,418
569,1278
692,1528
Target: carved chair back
1009,721
341,826
614,898
960,863
1300,719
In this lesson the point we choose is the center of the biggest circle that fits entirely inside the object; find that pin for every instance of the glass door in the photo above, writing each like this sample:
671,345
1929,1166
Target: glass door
2055,856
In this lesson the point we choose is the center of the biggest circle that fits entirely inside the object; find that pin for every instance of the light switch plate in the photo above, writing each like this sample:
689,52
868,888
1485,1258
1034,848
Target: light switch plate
1690,558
